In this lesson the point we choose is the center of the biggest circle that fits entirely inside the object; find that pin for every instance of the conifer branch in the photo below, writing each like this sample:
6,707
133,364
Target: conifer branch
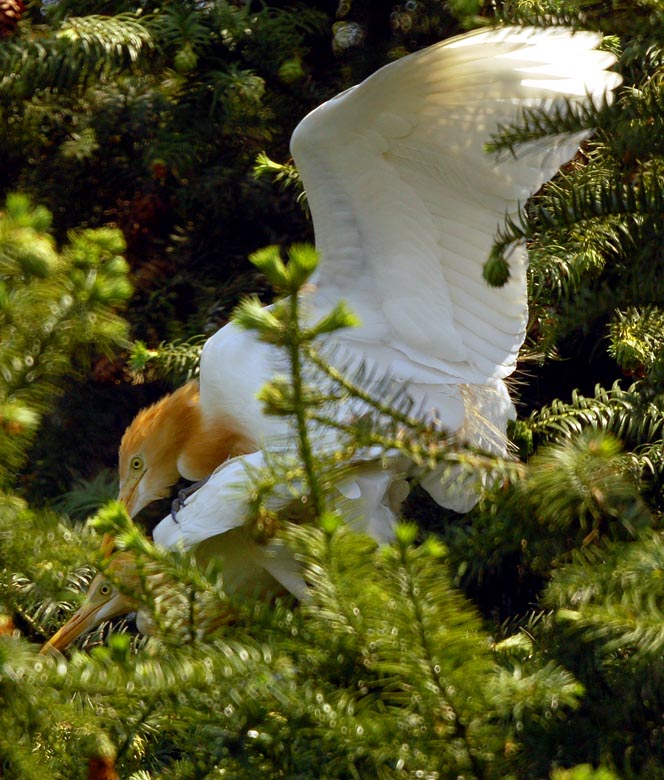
627,414
177,360
301,416
622,611
565,117
81,50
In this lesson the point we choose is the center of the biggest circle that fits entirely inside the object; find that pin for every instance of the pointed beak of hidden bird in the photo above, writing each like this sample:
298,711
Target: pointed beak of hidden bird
102,602
128,496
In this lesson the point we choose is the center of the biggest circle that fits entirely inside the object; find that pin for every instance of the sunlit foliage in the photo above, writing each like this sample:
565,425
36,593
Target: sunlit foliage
522,640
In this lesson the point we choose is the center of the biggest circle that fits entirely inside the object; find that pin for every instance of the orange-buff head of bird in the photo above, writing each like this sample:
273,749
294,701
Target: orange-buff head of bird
109,596
152,445
173,439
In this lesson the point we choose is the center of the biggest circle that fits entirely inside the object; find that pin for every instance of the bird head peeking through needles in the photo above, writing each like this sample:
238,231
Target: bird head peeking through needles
105,599
130,584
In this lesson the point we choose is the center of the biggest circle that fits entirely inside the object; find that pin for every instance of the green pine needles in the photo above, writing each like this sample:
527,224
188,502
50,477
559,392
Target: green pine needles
521,641
80,51
385,670
54,307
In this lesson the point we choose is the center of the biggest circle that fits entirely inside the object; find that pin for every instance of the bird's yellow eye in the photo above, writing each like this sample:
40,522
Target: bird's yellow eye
105,589
136,463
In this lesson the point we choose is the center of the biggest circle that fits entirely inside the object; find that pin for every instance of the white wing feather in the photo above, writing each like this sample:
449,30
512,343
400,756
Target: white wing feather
406,202
234,367
213,521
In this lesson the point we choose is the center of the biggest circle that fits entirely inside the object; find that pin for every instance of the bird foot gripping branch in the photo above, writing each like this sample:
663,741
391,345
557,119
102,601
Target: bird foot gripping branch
182,496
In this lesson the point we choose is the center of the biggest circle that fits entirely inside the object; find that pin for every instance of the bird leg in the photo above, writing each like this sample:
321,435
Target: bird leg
183,495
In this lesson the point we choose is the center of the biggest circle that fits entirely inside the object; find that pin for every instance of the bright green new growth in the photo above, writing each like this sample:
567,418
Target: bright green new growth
55,307
384,671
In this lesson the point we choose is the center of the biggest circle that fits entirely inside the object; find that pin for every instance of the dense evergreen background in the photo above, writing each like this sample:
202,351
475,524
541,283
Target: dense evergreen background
523,640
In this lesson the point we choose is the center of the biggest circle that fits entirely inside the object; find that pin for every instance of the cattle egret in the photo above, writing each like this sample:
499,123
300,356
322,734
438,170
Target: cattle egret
104,600
179,436
405,205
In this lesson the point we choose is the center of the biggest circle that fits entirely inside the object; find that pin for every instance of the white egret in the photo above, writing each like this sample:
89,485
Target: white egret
405,205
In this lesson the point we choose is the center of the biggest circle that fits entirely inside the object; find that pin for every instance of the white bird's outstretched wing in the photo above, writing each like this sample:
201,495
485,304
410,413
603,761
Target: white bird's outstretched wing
406,202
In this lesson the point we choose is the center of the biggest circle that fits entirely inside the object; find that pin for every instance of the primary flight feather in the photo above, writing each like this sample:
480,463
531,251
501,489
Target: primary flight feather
405,204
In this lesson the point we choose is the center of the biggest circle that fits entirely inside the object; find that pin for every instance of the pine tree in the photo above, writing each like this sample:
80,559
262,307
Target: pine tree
522,640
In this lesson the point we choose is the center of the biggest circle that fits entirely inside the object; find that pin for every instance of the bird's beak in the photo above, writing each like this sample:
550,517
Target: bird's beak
128,497
92,612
